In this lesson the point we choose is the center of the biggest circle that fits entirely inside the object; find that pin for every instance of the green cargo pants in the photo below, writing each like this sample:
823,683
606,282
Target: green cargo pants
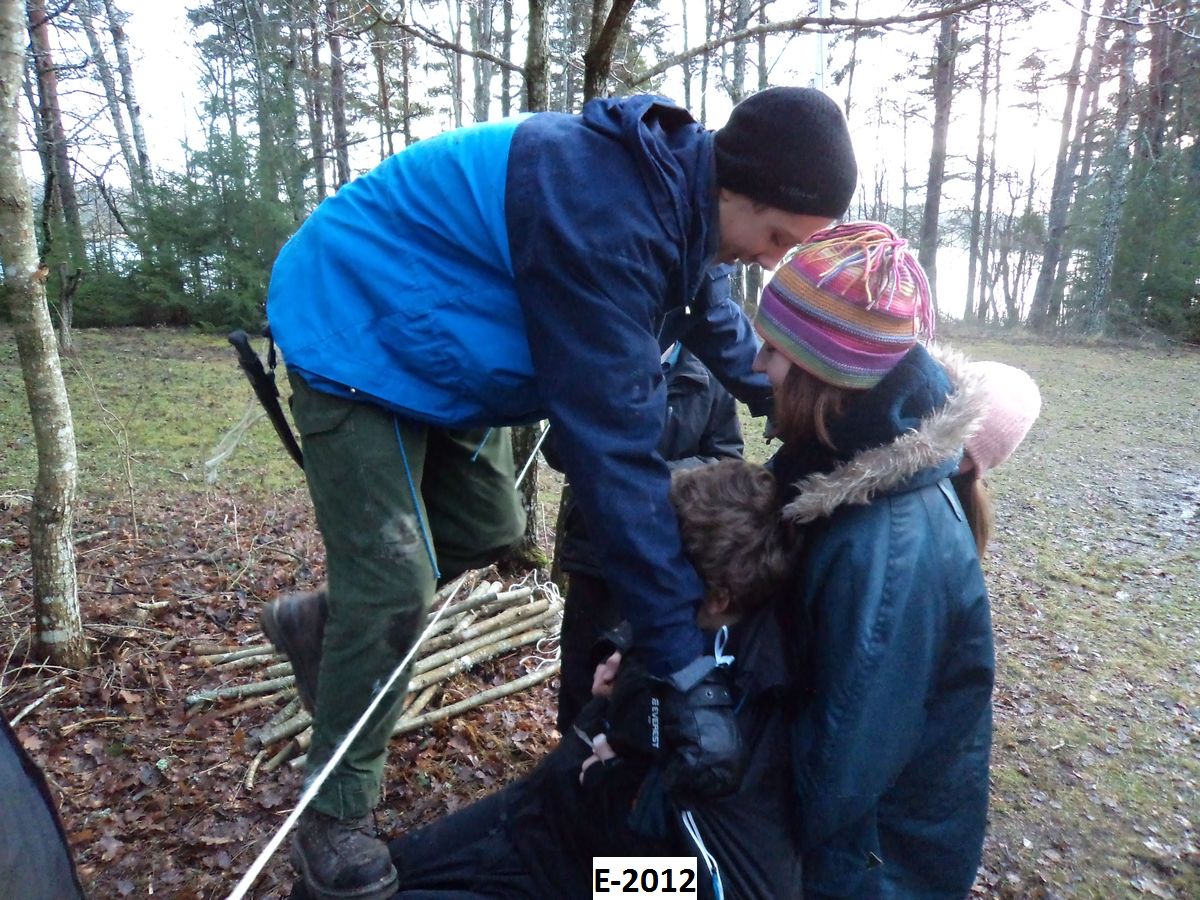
377,481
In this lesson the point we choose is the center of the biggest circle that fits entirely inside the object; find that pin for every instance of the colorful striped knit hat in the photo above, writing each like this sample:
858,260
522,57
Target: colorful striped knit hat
848,305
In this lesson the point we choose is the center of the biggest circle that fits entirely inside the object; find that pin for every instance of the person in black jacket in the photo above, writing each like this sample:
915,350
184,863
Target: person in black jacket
701,427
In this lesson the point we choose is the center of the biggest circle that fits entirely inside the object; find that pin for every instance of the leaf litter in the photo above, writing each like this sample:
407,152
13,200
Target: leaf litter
1095,583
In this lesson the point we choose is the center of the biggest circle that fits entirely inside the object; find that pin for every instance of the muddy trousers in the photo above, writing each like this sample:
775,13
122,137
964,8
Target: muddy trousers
401,506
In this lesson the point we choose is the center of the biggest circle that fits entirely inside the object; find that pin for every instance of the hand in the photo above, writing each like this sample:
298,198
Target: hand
686,720
601,752
605,675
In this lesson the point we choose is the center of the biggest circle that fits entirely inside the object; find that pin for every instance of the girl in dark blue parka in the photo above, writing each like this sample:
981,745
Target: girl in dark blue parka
889,746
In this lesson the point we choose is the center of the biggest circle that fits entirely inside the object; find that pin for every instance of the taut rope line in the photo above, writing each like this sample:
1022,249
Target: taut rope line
315,785
310,792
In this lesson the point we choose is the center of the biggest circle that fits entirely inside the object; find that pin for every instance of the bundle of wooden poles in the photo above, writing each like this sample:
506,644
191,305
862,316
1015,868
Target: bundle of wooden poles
489,622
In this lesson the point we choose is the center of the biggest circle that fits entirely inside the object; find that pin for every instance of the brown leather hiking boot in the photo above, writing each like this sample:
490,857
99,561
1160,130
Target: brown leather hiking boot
295,624
342,859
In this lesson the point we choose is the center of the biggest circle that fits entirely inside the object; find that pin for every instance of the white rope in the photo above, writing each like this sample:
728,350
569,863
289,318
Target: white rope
710,861
532,456
315,785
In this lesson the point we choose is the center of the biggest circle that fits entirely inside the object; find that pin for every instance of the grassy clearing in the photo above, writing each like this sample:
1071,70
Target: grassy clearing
157,399
1094,576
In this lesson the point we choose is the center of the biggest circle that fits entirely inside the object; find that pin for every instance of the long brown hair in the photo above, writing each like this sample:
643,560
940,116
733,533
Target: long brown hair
976,502
806,406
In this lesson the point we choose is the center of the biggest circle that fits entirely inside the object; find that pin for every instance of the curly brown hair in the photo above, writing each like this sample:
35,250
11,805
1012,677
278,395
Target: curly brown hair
729,519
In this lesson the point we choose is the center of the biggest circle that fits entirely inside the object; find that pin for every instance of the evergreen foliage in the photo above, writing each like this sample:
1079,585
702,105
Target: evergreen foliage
195,246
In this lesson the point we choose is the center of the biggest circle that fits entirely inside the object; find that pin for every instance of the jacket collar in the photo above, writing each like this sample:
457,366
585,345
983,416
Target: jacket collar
688,368
675,156
921,455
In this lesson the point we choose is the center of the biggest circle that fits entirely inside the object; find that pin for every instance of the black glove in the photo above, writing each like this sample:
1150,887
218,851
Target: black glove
685,720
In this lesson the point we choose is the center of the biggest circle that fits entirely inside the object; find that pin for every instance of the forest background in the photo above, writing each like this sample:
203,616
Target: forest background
1045,155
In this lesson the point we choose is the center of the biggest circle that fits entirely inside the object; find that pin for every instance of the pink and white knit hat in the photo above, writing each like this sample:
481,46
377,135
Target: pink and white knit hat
848,305
1013,404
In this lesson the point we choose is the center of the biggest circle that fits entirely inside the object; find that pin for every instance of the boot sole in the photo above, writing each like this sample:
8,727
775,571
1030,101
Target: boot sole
380,890
276,633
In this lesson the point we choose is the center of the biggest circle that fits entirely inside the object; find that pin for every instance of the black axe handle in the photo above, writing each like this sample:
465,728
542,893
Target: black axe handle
267,393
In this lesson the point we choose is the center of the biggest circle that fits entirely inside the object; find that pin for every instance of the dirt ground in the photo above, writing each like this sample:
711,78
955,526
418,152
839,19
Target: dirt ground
1094,576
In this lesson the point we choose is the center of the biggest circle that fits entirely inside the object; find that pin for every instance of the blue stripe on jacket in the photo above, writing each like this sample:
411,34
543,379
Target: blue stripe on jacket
400,287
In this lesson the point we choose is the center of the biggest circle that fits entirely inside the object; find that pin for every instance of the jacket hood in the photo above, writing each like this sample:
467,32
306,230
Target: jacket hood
679,171
932,447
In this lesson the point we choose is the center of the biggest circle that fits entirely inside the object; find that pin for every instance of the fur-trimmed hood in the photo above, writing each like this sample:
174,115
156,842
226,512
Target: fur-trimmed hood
938,438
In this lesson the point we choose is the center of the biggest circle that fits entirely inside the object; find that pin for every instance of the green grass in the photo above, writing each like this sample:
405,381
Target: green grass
158,399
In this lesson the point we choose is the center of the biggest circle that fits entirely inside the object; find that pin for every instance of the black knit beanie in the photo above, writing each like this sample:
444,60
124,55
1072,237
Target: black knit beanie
789,148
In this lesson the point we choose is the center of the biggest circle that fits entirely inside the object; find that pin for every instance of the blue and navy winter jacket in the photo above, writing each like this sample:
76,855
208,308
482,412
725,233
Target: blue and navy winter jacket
524,269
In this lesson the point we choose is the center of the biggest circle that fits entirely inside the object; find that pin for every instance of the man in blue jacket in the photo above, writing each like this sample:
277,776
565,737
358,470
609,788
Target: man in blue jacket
500,274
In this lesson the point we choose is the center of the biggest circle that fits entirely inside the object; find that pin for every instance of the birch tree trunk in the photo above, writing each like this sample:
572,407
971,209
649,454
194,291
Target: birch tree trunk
337,94
1117,175
125,70
943,94
58,628
88,11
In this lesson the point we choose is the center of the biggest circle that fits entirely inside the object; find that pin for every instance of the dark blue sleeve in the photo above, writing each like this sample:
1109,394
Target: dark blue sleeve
719,333
592,267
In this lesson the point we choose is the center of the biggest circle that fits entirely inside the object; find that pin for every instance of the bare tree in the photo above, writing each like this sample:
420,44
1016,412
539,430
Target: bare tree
977,196
988,276
58,174
597,60
506,44
337,94
89,11
116,20
1116,174
1064,174
378,51
58,627
943,94
480,17
314,96
537,58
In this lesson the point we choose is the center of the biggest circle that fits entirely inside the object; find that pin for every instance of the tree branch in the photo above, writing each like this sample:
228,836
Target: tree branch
433,39
800,24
